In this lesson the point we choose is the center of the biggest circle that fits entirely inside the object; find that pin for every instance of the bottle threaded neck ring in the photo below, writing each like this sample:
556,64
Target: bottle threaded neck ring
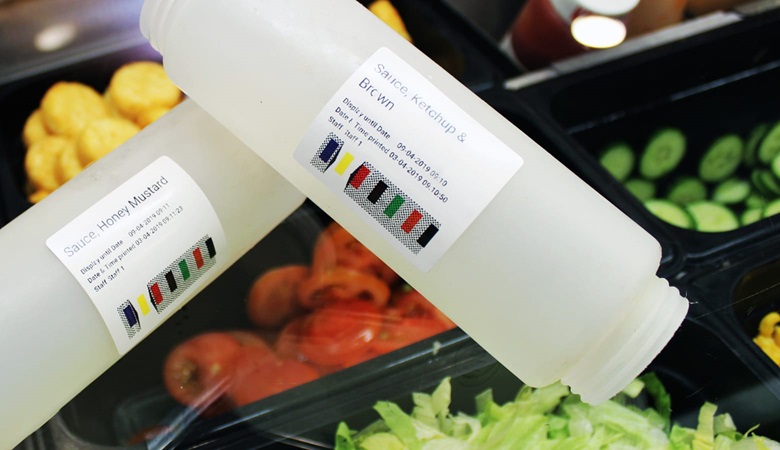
155,21
631,346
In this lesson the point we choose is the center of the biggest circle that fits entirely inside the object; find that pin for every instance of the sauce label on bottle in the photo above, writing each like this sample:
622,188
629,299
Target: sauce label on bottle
140,248
405,157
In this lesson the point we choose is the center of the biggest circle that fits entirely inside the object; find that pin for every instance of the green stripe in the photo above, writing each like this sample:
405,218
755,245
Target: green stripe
185,271
392,208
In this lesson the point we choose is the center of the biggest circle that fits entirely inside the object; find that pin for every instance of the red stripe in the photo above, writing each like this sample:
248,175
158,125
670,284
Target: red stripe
156,294
411,221
359,176
198,258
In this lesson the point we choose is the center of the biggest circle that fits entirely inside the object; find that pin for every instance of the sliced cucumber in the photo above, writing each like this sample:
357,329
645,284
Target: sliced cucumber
755,200
751,146
772,208
663,153
731,191
722,159
774,166
641,189
669,212
711,217
765,181
686,190
770,145
619,160
751,215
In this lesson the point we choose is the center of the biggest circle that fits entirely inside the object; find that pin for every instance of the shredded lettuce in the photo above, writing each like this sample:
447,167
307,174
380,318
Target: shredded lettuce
548,418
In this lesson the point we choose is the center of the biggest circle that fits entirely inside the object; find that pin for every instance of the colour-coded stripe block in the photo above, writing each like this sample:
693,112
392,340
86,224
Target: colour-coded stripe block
130,315
171,280
143,304
358,176
185,271
180,274
129,318
427,235
342,166
330,148
411,221
327,153
210,247
377,192
391,207
157,296
198,258
394,206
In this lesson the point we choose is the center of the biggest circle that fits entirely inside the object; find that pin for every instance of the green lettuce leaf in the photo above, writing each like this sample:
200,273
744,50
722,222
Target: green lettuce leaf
548,418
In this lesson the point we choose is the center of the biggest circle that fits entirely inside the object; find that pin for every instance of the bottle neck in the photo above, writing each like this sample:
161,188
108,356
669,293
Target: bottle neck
156,16
631,346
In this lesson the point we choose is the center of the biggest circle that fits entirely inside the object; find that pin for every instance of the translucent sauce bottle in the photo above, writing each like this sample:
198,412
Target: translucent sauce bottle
543,272
100,263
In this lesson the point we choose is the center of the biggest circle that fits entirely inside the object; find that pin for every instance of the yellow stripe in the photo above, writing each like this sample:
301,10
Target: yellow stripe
143,304
341,167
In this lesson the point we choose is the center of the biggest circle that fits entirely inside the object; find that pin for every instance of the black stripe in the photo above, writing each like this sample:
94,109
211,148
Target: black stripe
171,281
427,235
377,192
210,246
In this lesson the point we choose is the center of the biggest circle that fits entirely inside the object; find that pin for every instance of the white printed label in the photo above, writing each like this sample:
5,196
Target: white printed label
406,158
141,248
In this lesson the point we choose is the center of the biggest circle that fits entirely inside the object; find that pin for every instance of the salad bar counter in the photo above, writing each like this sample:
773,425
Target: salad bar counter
310,341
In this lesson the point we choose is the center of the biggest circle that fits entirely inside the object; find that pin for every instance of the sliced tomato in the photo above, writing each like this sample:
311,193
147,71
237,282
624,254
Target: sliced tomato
340,284
340,332
249,338
336,247
398,333
410,303
250,358
269,378
359,358
287,341
273,298
198,371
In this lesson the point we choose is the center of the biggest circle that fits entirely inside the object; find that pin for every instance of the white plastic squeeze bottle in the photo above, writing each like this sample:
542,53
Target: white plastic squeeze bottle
96,266
547,275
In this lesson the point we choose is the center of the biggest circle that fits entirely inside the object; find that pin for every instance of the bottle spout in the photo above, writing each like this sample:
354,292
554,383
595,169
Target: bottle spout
631,346
154,21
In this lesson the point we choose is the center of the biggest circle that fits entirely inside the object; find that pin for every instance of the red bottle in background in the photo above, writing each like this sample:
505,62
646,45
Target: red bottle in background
652,15
542,34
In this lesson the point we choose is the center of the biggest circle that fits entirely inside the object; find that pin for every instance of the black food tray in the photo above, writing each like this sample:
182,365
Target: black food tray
726,80
735,294
696,366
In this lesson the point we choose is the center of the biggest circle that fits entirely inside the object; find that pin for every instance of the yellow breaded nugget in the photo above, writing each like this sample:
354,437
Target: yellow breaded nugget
102,136
385,10
110,106
150,115
38,195
67,107
142,85
40,162
68,164
34,129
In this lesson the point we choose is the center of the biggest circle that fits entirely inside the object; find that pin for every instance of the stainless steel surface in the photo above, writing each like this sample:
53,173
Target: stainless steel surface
658,38
757,7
